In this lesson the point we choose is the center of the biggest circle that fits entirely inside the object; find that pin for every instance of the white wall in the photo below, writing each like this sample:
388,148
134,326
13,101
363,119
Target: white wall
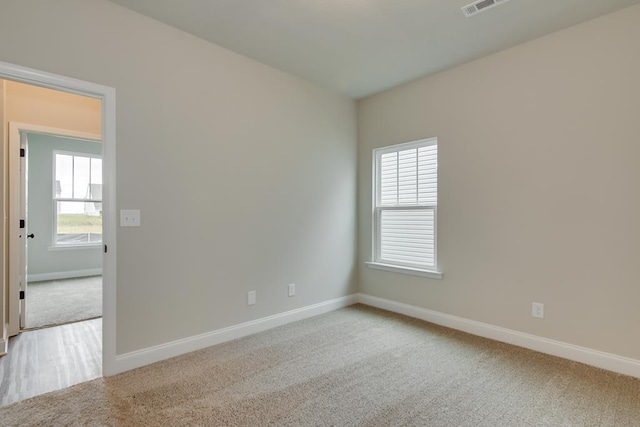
538,189
42,261
245,175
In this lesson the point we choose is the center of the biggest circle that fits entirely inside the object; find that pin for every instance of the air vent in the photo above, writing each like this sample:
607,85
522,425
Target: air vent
480,6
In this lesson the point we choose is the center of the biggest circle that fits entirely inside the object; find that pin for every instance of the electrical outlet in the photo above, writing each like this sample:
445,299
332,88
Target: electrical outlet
292,289
537,310
251,297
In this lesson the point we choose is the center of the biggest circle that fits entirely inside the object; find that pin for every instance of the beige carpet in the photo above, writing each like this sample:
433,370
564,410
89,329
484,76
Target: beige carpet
353,367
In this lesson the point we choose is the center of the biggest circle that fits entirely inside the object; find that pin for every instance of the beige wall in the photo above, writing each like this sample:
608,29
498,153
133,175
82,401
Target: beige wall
51,108
538,196
245,175
3,262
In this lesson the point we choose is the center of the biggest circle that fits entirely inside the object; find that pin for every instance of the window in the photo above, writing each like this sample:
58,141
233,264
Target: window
77,199
405,207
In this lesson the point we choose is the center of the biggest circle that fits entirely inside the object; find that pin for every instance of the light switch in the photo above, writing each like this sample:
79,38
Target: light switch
129,218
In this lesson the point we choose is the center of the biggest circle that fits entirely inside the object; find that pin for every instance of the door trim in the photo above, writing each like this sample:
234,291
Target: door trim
108,96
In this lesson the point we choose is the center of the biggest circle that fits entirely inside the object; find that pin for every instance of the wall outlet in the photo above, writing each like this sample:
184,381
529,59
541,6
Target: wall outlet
537,310
251,297
292,289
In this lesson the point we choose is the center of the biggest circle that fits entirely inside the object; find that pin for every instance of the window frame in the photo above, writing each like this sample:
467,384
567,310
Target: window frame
377,261
54,238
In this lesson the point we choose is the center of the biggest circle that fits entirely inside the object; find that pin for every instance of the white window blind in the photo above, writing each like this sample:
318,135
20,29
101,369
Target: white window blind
406,199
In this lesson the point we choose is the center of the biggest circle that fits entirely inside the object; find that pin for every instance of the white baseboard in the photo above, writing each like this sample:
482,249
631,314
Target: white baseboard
136,359
608,361
58,275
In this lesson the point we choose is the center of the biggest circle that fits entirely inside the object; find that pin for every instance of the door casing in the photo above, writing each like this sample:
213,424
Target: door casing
107,95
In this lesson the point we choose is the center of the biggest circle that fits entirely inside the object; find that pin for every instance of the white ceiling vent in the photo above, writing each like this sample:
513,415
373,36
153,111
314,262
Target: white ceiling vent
480,6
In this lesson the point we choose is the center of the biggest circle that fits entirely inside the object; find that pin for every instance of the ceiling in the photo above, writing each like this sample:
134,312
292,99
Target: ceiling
360,47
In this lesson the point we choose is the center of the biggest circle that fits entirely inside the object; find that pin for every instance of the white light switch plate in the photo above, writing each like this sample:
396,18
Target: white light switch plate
129,218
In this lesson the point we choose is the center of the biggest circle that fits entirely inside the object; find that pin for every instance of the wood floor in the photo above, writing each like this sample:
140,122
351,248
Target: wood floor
50,359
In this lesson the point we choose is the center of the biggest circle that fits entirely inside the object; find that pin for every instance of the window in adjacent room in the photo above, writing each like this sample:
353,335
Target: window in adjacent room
77,199
405,207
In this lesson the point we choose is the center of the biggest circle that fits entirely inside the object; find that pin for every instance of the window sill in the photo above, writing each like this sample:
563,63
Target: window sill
405,270
74,247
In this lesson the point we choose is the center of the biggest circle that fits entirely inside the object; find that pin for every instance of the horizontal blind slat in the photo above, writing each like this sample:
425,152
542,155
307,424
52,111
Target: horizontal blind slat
408,236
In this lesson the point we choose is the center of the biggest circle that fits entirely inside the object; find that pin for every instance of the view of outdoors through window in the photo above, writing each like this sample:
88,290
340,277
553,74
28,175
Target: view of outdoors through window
78,199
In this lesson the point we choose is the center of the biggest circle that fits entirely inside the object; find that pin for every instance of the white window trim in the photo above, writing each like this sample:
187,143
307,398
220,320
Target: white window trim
432,274
55,246
377,263
77,246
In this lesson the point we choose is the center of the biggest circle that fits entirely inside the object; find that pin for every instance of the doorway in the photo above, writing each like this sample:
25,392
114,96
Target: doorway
64,226
14,282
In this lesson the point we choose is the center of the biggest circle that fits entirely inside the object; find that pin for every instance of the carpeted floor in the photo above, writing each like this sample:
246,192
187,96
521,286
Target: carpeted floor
57,302
356,366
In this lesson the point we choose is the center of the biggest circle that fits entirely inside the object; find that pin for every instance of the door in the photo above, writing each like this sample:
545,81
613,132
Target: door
18,234
17,228
24,155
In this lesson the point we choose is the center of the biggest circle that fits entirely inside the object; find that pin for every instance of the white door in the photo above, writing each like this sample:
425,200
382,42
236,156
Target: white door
24,174
17,229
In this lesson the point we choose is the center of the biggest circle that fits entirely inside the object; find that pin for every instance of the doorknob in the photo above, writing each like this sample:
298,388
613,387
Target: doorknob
31,235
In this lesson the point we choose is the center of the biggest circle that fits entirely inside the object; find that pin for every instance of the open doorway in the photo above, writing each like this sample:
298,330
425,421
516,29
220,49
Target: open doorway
64,218
45,127
98,200
55,188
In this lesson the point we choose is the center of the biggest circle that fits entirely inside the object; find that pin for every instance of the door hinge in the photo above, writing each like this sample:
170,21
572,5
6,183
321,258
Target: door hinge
105,249
21,294
22,152
22,223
